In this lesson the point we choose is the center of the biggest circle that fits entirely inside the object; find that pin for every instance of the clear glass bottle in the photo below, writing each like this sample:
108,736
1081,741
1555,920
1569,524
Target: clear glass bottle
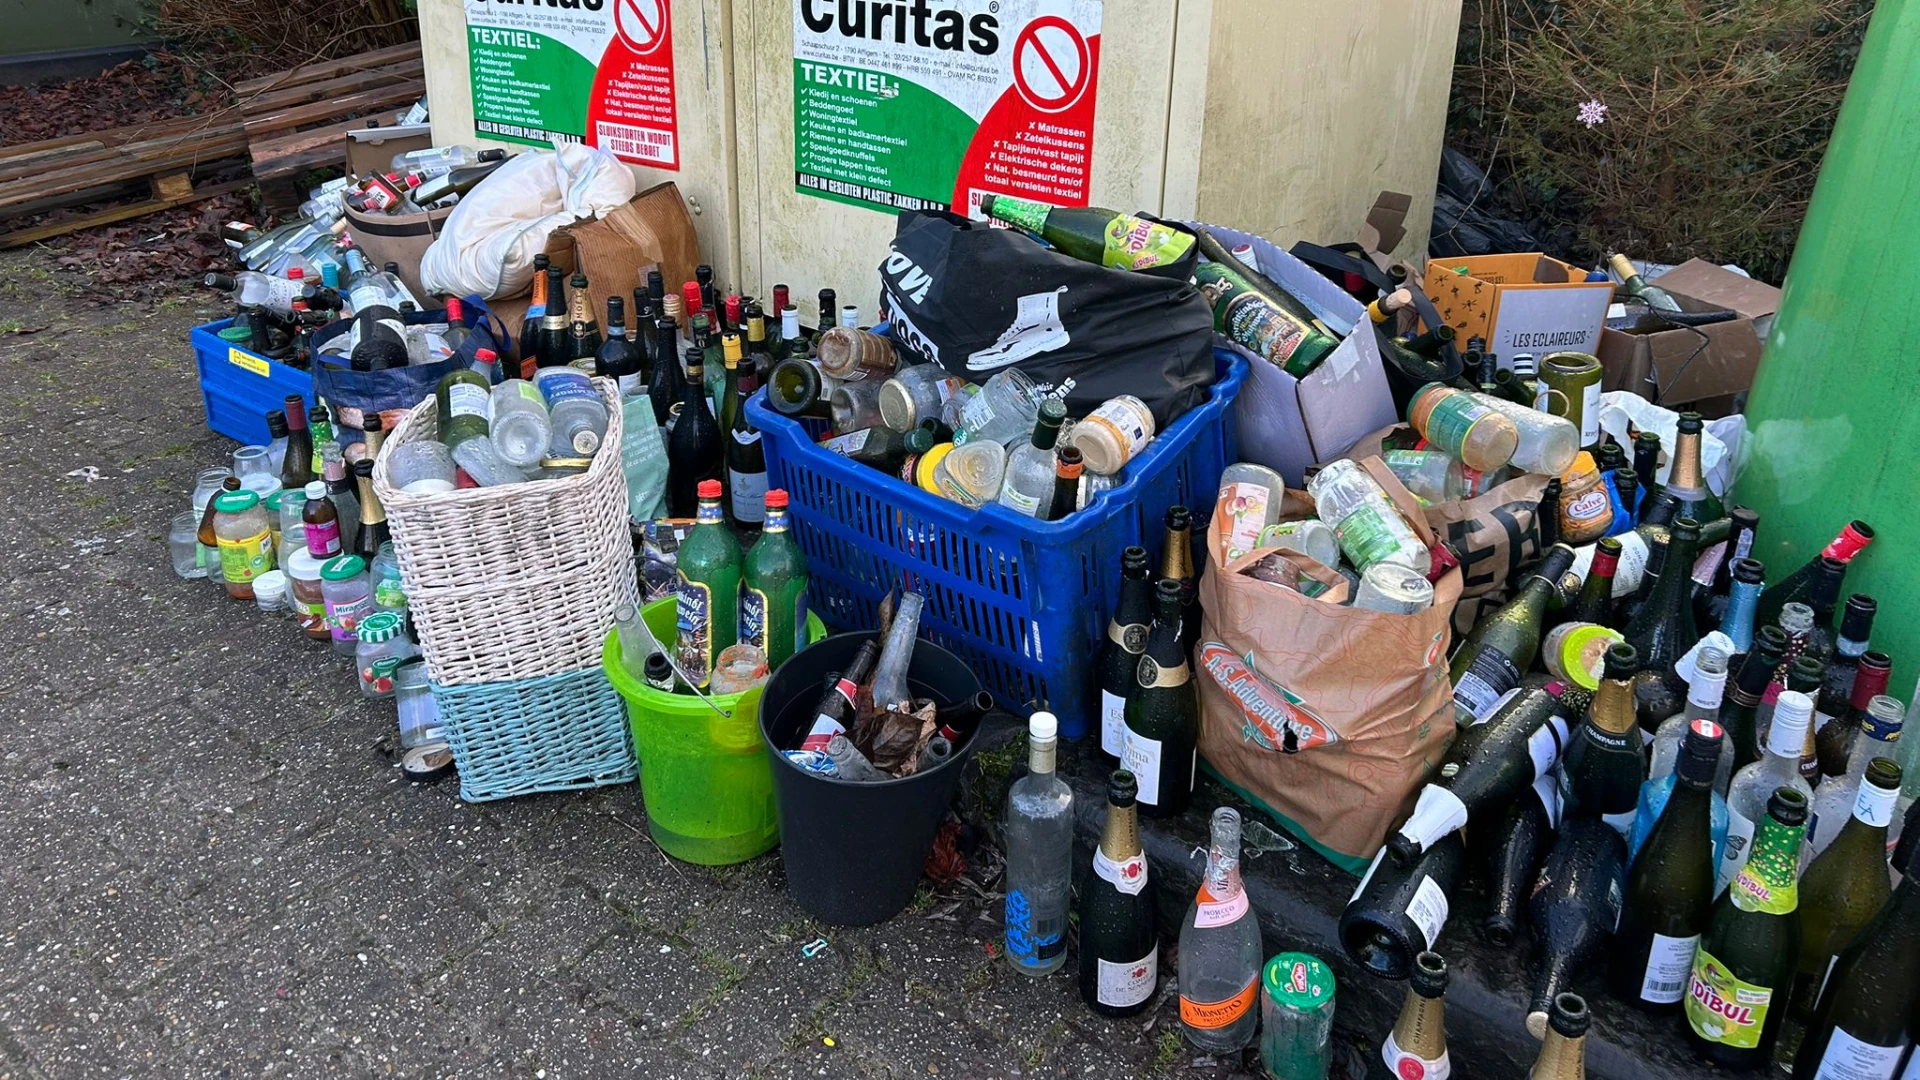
1704,694
1039,856
1028,486
1833,800
890,689
1220,950
1752,786
1004,410
917,393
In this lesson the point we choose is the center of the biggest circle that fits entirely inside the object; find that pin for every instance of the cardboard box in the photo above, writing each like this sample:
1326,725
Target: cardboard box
1528,303
371,149
1705,364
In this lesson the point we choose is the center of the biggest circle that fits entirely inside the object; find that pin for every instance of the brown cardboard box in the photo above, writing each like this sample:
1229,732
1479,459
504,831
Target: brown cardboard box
1528,303
367,155
1694,364
652,232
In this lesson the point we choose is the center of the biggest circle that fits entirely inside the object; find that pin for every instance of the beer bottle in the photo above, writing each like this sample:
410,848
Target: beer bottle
1504,644
1163,713
1687,481
1574,908
1798,586
1670,891
1094,234
836,710
708,608
1176,564
555,348
1119,950
1417,1045
1120,655
1637,287
1563,1055
1605,763
773,597
1846,886
1399,911
1220,950
1488,765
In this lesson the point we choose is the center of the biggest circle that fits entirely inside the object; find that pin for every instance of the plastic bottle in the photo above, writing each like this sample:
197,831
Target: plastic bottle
1459,423
518,422
575,410
1368,526
1546,444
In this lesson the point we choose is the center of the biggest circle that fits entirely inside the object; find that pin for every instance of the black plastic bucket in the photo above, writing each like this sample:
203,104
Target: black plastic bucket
854,852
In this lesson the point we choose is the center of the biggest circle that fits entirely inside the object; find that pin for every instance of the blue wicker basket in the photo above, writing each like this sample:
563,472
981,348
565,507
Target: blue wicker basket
552,733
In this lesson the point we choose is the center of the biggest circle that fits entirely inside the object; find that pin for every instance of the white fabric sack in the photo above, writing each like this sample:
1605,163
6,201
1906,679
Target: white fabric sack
488,243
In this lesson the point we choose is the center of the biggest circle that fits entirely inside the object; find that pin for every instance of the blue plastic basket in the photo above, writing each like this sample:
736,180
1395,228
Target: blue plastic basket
241,387
553,733
1024,602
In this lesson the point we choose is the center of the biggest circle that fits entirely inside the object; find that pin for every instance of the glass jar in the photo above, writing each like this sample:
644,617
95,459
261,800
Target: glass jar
349,599
379,653
1004,410
1113,434
419,711
856,355
275,520
422,467
292,505
246,541
183,545
306,594
856,405
207,485
389,591
918,393
1296,1017
254,466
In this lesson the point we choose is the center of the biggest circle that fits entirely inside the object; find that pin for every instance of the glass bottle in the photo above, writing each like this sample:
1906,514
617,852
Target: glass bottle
746,457
1574,909
1846,884
880,447
1670,889
1637,287
1028,486
854,355
1163,713
1604,768
1502,645
554,347
1563,1054
1487,766
917,393
1039,856
1739,710
1743,598
1843,666
799,389
1399,911
1176,564
1877,737
374,531
1704,695
1119,949
1220,950
1686,481
322,522
296,468
1417,1045
773,599
529,341
1518,841
1646,465
759,357
1662,631
707,611
618,359
1120,654
1067,470
1737,992
856,405
1546,443
1464,426
1094,234
583,331
1756,783
1799,585
1710,600
890,690
1594,604
695,448
835,713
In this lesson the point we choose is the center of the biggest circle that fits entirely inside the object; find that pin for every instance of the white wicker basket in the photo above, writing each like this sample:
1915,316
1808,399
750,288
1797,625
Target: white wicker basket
517,581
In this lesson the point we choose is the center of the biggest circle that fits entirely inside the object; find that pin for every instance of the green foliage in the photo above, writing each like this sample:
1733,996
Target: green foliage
1717,115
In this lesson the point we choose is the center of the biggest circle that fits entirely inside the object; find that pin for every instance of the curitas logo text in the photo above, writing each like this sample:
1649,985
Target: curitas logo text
1277,719
929,29
564,5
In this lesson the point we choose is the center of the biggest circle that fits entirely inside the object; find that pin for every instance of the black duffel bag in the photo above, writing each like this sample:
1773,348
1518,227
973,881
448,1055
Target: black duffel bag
977,300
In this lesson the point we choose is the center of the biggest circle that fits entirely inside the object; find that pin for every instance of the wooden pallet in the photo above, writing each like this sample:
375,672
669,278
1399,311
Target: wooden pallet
297,120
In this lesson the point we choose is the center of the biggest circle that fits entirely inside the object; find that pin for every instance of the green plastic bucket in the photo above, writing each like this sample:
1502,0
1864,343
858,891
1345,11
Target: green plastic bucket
703,771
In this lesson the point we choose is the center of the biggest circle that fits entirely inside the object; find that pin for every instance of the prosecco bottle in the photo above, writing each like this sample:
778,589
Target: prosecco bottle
1662,630
1669,894
1163,713
1563,1054
1488,765
1119,950
1506,643
1220,949
1687,481
1417,1045
1176,564
1574,908
1399,911
1606,761
1120,655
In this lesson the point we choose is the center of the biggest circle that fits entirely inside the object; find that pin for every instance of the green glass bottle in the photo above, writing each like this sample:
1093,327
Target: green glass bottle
1093,234
1594,604
462,398
1632,284
773,599
1870,1011
1670,889
1119,951
708,608
881,447
556,344
759,350
728,404
1504,644
1662,630
1687,481
746,457
583,331
1276,328
1163,714
1846,886
1743,970
796,389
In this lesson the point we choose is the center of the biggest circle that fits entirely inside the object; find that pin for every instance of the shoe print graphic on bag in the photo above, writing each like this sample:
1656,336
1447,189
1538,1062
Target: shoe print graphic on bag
1036,329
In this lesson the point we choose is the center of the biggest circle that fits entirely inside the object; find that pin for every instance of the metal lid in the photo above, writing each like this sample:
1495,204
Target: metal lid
427,762
1299,981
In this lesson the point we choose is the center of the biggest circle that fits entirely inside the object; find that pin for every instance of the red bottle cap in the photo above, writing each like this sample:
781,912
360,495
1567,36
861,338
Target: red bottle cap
709,489
462,480
454,314
485,356
780,298
733,308
296,273
777,499
1852,541
691,293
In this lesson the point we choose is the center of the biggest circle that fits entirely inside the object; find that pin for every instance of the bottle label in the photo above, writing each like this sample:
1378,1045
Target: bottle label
1211,911
1544,746
243,560
1128,875
1210,1015
1874,805
1016,500
748,491
848,443
1122,986
561,385
1590,413
378,675
1451,421
693,613
1129,425
1024,946
753,618
1153,674
1577,513
390,593
1138,244
1722,1008
1371,533
1142,758
343,620
1668,964
1428,910
1487,679
323,540
632,385
1246,508
1848,1058
1405,1066
1734,856
1131,637
1113,723
466,399
1769,882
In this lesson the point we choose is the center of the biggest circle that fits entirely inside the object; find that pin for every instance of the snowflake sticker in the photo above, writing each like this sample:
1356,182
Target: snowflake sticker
1592,113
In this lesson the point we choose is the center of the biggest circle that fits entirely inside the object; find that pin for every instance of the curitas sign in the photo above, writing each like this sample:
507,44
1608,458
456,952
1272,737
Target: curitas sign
935,103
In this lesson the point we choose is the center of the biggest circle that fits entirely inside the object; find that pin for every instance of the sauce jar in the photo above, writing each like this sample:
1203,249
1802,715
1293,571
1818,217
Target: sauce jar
1586,513
380,652
349,599
1114,434
246,540
304,592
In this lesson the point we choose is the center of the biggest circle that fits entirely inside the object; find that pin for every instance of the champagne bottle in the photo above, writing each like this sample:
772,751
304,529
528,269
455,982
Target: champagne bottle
1743,970
1488,765
1662,631
1563,1054
1846,886
1176,564
1669,894
583,331
1739,710
1594,604
1120,654
1119,950
1710,600
1094,234
1220,950
1869,1013
1574,908
1655,564
1399,911
1605,765
1519,844
1799,585
1646,465
553,347
1417,1045
1864,676
1504,644
1686,481
1163,713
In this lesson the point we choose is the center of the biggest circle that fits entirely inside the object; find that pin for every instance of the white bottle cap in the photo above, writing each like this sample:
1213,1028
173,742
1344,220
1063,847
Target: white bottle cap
1791,713
1043,725
316,489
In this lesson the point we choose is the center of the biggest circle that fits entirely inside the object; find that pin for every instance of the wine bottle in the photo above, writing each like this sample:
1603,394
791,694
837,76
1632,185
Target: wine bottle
1739,710
1839,713
1743,598
1710,599
1846,885
1637,287
1546,516
1875,739
1604,763
1417,1045
1163,713
1120,654
695,450
1574,908
1563,1054
1646,465
1119,950
1399,911
1799,585
1594,604
1743,970
1626,491
1488,765
1823,598
836,711
1662,630
618,359
1220,950
1519,844
746,458
1670,892
1504,644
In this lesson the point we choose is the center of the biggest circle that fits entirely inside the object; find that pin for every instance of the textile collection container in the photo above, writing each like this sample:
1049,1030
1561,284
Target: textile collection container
511,590
1024,602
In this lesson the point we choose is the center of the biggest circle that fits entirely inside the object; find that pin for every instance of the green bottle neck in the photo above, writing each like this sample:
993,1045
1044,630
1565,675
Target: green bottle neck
1769,882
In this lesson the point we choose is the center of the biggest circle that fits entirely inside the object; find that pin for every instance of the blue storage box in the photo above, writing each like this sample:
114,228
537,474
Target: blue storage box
240,387
1024,602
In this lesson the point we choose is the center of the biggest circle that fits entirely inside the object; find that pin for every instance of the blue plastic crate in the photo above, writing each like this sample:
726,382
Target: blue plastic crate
241,387
1025,602
552,733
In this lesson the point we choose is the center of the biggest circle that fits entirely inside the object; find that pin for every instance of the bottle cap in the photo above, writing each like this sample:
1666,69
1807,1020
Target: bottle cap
1791,712
777,499
380,626
343,568
1299,982
485,356
316,489
1700,751
1053,411
1043,726
236,502
709,489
